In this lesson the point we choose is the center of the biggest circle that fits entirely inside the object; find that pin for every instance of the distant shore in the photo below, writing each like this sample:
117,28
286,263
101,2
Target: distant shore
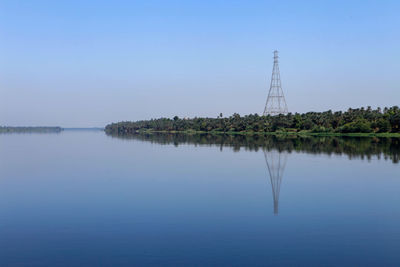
30,129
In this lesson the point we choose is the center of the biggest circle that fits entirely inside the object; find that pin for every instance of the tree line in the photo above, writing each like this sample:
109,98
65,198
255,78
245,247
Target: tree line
34,129
360,120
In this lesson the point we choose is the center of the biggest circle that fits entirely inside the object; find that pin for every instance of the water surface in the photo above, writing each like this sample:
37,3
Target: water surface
82,198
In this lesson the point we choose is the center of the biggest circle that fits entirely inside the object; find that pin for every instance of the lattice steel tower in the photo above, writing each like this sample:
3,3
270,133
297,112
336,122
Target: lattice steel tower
276,103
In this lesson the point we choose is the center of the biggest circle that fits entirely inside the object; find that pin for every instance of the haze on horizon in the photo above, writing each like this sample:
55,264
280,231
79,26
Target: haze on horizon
89,63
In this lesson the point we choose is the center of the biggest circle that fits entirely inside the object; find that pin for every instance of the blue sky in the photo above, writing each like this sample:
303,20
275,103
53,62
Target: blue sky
88,63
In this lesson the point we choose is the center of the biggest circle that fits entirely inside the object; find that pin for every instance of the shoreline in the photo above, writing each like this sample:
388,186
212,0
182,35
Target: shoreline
396,135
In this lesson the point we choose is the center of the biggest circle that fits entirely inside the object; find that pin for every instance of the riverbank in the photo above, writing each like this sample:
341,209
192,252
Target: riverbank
30,129
302,133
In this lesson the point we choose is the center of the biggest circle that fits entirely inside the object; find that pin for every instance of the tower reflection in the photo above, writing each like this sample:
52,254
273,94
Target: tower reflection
276,163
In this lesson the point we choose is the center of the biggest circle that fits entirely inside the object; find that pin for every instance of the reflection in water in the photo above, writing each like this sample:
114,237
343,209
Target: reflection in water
276,162
156,205
277,148
352,147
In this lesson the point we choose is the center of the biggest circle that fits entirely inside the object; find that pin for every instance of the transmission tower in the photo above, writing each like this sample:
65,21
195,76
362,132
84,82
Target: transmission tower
276,163
276,103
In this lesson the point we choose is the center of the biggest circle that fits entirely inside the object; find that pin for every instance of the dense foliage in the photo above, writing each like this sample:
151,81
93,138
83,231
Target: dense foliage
362,120
353,147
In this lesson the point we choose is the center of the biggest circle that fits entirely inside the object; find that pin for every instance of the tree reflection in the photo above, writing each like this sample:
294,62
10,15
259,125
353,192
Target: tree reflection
352,147
277,148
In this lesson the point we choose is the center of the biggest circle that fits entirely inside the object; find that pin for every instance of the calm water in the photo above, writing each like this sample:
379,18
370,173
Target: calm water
82,198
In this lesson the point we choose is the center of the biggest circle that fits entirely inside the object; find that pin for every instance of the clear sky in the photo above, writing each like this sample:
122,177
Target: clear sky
88,63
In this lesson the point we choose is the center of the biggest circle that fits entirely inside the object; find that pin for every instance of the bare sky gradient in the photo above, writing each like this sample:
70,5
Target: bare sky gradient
89,63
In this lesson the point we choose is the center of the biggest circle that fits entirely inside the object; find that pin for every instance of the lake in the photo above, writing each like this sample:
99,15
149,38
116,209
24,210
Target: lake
83,198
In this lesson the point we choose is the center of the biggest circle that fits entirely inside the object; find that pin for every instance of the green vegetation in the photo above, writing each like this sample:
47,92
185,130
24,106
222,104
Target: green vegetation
363,122
40,129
